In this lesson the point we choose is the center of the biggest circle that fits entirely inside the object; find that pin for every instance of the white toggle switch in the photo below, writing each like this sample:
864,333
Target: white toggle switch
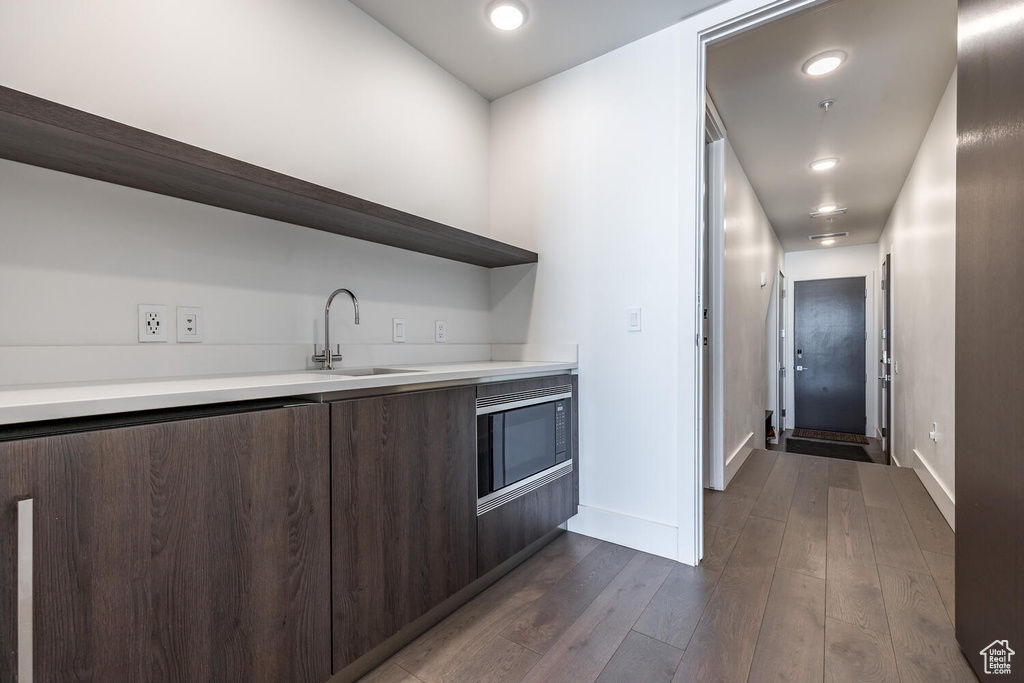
934,434
633,320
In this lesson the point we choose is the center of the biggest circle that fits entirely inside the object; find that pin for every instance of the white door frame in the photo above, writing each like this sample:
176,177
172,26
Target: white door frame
712,27
716,285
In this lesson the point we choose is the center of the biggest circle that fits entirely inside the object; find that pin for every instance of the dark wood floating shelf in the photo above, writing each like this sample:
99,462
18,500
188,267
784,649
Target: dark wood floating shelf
43,133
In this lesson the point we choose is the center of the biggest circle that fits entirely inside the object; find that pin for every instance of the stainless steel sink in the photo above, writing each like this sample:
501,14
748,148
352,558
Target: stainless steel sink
364,372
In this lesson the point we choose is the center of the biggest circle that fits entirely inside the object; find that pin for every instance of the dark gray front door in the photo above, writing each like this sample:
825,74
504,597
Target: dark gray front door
829,331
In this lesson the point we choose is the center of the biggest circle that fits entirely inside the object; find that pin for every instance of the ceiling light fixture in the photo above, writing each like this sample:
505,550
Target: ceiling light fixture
828,211
507,15
826,243
826,62
827,236
824,164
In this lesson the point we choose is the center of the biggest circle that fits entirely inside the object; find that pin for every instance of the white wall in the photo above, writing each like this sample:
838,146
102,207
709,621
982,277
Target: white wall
920,235
836,262
313,88
751,248
585,171
597,169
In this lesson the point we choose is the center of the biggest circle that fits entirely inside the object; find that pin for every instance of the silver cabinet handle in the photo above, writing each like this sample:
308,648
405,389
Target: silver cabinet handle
24,530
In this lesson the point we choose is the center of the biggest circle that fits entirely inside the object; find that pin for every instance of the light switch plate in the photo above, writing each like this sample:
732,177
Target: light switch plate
440,331
152,323
190,325
634,321
398,330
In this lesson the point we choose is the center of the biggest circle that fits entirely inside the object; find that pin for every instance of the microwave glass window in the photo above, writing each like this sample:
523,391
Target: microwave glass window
529,441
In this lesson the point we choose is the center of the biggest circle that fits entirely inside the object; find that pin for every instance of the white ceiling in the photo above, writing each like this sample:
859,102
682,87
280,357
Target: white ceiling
558,35
901,56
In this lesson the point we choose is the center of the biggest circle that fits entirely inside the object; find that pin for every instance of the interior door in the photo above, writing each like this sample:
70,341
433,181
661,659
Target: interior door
989,327
885,362
780,419
829,342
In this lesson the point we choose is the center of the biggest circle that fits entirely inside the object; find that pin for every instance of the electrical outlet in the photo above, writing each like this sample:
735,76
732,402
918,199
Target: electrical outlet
152,323
398,330
190,325
440,331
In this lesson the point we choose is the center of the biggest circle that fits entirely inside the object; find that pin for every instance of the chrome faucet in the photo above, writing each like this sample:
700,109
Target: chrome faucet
326,359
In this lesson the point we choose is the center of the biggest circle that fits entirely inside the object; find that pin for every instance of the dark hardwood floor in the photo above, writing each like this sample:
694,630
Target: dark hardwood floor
814,570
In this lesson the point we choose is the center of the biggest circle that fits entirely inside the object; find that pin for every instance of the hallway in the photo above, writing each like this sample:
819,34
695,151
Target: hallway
814,570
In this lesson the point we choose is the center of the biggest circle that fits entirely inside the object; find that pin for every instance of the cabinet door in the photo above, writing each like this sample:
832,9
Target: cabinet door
404,511
194,550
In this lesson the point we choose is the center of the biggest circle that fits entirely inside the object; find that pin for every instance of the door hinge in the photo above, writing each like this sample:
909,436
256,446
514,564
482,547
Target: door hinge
782,333
885,431
783,294
885,333
883,285
705,314
783,412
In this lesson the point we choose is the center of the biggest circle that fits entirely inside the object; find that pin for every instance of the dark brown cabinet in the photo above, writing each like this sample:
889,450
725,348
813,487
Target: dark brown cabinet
189,550
504,531
404,511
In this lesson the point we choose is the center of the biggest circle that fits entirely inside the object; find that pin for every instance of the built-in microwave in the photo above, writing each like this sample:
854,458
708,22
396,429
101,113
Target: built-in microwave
523,442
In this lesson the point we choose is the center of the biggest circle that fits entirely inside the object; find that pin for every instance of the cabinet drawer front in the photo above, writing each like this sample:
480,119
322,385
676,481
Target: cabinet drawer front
504,531
191,550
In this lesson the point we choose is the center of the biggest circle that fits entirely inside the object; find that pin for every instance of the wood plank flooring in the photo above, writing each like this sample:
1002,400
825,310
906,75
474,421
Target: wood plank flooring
814,570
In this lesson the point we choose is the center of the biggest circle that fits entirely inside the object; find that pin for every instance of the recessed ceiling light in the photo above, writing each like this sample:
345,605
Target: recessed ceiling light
827,208
825,164
508,15
826,62
825,243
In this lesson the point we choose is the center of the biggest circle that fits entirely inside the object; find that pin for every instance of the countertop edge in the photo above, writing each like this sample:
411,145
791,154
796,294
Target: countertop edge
44,403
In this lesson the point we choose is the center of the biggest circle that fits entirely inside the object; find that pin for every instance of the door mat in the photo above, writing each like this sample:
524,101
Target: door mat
827,450
830,436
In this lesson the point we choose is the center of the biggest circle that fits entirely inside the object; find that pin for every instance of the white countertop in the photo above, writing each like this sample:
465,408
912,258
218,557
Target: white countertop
19,404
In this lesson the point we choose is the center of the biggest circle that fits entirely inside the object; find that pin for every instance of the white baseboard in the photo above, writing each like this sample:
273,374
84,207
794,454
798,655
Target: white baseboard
735,461
937,489
646,535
